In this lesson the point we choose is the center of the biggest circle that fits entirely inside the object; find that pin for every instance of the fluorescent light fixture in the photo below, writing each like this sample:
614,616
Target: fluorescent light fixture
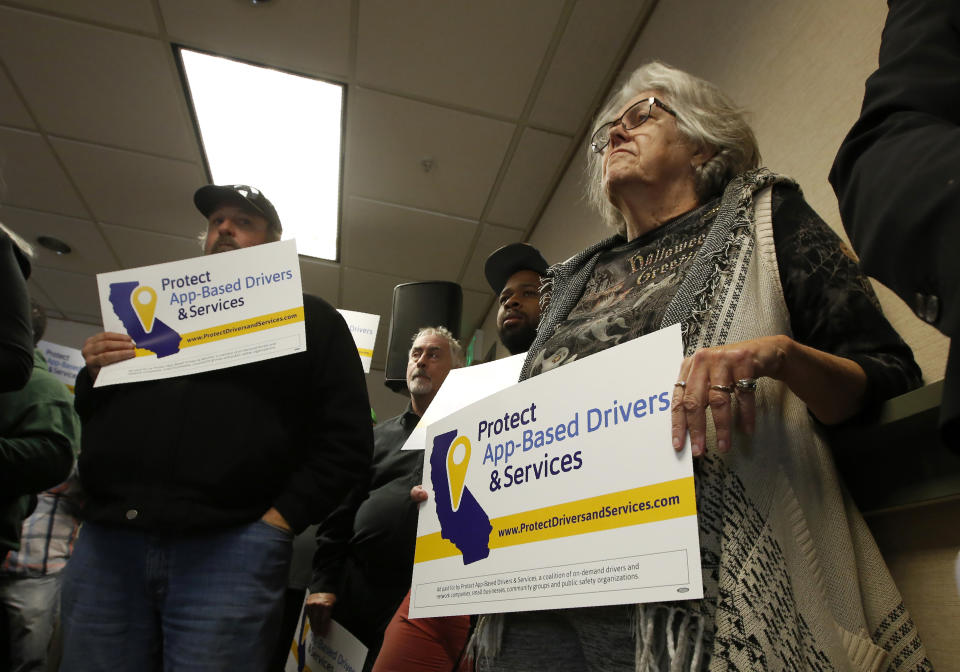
277,132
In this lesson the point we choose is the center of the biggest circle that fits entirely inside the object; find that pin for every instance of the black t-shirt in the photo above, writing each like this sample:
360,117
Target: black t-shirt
831,303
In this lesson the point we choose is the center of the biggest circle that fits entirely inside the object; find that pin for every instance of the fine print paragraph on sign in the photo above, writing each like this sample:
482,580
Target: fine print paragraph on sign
614,574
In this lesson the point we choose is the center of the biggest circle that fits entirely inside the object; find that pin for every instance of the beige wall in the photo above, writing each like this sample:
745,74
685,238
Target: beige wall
798,68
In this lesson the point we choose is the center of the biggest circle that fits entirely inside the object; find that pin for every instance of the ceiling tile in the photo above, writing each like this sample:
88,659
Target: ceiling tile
389,137
38,294
132,14
135,190
86,319
531,173
320,279
404,241
143,248
98,85
475,307
71,292
585,56
481,55
89,254
12,111
70,334
301,35
32,176
372,293
491,238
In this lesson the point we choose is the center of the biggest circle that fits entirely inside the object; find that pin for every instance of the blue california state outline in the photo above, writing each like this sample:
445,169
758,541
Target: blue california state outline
469,526
161,340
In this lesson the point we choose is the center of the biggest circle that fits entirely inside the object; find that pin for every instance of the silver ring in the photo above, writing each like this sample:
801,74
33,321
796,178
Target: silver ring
746,384
680,384
722,388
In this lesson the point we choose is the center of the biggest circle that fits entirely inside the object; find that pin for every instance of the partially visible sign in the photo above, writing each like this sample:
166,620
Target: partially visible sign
338,651
461,388
64,363
363,327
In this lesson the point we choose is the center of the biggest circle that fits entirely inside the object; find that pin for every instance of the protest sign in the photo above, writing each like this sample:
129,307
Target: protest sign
561,491
337,651
363,328
206,313
63,362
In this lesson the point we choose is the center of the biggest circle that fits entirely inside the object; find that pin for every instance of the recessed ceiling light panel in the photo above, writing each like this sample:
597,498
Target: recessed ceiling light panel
278,132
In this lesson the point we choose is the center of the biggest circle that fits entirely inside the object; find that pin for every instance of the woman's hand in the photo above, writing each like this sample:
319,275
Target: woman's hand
831,386
705,372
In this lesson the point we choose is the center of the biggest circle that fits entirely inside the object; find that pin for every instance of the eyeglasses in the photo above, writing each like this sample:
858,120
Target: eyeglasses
635,115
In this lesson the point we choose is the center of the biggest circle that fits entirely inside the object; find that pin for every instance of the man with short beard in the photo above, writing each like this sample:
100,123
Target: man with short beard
514,273
364,559
196,485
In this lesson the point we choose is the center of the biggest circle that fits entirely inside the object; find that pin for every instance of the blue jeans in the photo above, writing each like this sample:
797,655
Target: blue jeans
139,601
30,608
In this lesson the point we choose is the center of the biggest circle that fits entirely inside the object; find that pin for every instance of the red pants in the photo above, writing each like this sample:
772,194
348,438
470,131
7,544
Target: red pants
422,644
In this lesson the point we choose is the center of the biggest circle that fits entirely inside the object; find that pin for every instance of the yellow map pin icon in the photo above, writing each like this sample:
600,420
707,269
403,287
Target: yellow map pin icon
144,300
458,459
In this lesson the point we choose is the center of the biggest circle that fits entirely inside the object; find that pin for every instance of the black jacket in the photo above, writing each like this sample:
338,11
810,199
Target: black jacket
220,448
365,547
897,174
16,330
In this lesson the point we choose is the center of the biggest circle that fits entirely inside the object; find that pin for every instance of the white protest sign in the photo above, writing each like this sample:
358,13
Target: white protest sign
561,491
337,651
63,362
206,313
461,388
363,328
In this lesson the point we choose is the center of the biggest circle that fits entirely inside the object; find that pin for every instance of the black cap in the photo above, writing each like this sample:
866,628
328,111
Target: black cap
508,260
209,198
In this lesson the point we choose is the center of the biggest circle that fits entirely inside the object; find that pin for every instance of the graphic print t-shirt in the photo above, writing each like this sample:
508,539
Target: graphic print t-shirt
629,290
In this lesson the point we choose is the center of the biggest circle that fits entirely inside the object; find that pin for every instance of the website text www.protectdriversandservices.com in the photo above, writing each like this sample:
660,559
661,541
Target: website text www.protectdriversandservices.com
210,335
602,512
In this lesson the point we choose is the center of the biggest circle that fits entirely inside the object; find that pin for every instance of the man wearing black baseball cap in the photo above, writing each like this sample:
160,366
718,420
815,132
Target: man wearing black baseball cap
197,484
514,273
234,213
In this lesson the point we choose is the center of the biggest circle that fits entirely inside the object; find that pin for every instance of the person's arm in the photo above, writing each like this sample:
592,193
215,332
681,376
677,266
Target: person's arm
843,355
16,330
832,387
38,447
339,439
333,538
896,174
330,558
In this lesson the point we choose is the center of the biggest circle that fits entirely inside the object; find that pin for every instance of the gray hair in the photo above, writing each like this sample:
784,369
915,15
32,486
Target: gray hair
705,116
456,350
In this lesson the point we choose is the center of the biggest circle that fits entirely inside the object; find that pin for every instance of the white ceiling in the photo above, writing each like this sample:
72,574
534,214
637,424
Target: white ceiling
97,145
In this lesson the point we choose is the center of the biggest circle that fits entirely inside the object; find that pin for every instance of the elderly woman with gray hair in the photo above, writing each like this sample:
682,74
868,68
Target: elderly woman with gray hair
783,335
